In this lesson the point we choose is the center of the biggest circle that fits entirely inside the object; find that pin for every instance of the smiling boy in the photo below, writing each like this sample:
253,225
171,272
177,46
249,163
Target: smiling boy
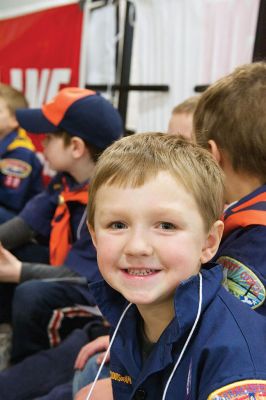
154,209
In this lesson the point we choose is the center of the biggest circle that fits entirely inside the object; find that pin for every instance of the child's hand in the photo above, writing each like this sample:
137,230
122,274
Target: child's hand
97,345
10,266
102,390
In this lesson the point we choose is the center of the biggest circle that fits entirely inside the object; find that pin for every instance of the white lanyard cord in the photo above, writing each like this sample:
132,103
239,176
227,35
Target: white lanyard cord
107,351
188,338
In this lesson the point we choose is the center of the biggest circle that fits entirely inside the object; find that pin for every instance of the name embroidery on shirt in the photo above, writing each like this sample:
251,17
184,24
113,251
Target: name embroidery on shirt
120,378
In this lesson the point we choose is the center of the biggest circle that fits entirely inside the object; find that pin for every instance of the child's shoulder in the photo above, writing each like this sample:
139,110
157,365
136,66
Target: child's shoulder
236,324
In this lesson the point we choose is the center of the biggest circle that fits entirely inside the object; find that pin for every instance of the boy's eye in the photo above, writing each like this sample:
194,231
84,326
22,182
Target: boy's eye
168,226
117,225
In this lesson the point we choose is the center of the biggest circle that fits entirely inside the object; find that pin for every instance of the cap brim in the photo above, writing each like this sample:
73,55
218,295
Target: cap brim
33,120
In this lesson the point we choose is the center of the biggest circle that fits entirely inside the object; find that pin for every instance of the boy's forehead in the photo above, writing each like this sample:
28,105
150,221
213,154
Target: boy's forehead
162,177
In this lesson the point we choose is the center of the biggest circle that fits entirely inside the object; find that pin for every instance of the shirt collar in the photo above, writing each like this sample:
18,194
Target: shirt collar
186,300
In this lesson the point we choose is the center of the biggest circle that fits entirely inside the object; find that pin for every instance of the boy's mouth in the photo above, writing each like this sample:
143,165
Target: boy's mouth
141,272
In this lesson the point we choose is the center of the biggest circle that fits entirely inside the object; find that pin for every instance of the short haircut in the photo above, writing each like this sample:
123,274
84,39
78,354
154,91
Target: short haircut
188,106
95,152
13,98
133,160
232,112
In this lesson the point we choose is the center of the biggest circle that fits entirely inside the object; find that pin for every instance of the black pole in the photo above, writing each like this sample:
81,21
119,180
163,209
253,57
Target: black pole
259,52
126,60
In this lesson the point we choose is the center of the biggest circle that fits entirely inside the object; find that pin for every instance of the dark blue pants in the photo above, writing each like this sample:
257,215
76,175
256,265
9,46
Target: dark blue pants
48,374
34,303
27,253
37,375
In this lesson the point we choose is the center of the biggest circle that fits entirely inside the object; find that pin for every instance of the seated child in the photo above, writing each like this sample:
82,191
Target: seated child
79,125
181,121
153,215
230,122
20,169
224,120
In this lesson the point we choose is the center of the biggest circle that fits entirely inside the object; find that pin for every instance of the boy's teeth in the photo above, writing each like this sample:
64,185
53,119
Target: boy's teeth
140,272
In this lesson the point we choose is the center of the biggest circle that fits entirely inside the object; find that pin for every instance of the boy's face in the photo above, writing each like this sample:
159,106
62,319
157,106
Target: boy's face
8,122
57,154
149,239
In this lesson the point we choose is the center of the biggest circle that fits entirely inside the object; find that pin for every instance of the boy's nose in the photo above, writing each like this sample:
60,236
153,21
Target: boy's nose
138,244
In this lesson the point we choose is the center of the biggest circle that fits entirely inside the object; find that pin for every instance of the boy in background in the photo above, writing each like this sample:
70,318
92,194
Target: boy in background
154,210
20,169
181,121
230,122
79,124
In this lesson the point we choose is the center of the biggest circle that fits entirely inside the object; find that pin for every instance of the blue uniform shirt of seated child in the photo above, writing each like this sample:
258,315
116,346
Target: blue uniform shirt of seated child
20,168
154,217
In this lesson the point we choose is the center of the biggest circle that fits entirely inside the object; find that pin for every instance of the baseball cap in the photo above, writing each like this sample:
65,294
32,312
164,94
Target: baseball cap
79,112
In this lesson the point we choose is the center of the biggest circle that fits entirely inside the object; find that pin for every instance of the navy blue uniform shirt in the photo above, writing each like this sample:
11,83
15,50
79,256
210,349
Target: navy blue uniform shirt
225,358
20,172
39,213
243,252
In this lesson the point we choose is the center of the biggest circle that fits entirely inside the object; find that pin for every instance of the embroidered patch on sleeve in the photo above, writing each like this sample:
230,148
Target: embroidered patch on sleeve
242,390
15,168
242,282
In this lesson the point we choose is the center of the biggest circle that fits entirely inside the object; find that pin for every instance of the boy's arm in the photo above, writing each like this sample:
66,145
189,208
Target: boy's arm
15,232
13,270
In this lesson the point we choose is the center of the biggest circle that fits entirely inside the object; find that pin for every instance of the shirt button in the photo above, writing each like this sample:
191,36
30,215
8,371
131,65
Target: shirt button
140,394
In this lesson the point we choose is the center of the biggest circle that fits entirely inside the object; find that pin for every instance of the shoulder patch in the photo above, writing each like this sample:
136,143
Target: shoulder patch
242,282
242,390
14,167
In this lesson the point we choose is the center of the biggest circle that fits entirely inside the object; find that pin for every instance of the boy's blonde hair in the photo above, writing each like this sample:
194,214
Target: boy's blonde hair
13,98
232,112
133,160
187,107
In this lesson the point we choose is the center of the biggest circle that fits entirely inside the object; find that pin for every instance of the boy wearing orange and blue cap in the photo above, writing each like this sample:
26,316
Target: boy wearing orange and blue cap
79,124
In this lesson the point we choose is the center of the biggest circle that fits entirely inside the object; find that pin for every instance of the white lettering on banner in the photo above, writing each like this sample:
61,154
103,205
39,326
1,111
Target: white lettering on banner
40,85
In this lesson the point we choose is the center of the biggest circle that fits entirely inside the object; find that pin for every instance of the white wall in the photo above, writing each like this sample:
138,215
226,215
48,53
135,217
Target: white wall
181,43
184,43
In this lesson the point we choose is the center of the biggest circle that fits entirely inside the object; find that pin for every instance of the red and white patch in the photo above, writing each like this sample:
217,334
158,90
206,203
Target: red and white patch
242,390
11,182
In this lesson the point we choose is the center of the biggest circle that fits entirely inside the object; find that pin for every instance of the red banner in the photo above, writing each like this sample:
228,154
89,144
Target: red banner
40,52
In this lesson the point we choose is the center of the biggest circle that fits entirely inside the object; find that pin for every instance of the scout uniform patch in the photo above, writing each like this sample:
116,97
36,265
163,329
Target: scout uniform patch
14,170
242,390
242,282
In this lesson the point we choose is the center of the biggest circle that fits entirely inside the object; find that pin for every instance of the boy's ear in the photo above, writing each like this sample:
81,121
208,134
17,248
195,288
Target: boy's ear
214,150
92,233
78,146
212,242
